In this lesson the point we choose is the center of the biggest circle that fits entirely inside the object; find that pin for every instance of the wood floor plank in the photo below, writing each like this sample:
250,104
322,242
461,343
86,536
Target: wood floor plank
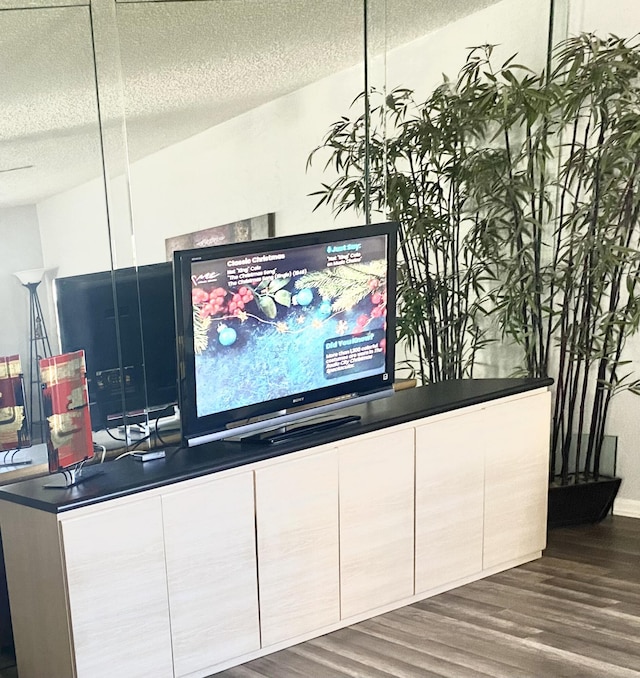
403,659
590,648
378,654
292,665
562,566
561,588
458,609
320,657
601,587
606,635
465,658
241,672
497,653
623,588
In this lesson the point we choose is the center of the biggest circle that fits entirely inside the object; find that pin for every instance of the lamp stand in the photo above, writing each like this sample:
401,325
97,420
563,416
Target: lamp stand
39,347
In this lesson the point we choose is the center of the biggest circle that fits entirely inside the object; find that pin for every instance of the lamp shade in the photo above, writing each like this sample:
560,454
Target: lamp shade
33,275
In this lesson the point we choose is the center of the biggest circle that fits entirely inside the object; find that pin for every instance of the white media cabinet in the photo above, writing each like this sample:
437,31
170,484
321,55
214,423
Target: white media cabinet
185,577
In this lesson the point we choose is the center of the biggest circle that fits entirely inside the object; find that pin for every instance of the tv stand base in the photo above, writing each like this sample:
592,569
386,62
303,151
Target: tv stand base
287,434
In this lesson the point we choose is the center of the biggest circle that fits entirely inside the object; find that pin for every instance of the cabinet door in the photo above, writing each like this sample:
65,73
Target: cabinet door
297,521
211,572
376,521
516,478
118,591
449,499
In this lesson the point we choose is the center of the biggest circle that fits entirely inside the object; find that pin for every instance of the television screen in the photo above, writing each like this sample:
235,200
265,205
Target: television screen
130,357
291,322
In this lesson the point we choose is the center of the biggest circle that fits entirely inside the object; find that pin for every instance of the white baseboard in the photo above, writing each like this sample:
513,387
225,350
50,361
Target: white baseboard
626,507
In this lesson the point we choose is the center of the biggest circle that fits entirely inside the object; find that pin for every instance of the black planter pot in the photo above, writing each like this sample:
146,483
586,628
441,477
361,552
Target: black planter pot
581,503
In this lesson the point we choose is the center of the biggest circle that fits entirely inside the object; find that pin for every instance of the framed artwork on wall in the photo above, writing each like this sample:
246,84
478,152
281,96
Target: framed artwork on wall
254,228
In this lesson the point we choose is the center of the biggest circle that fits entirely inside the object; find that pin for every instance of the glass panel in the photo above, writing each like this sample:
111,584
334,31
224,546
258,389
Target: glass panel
608,458
53,217
415,49
224,101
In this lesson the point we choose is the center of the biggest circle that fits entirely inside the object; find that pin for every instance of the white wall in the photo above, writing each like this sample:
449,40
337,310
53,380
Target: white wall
74,230
20,250
622,18
513,26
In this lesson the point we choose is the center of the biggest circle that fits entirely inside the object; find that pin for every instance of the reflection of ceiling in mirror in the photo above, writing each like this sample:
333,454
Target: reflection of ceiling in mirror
49,125
187,66
190,65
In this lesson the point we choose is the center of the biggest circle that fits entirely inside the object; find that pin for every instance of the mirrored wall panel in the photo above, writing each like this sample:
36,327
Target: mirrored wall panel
246,118
136,128
53,216
224,101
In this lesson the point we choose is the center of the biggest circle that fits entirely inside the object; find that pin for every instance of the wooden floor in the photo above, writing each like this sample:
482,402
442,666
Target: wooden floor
573,613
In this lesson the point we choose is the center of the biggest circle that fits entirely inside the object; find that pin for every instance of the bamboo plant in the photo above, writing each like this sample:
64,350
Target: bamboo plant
562,202
518,197
417,176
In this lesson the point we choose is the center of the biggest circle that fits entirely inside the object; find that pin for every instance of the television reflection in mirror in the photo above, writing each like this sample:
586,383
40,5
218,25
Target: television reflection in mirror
131,354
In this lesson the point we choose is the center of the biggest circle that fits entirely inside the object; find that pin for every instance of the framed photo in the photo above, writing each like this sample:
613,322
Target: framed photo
66,405
14,425
254,228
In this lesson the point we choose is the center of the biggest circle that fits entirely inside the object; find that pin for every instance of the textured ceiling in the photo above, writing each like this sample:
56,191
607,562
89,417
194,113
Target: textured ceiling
186,66
48,115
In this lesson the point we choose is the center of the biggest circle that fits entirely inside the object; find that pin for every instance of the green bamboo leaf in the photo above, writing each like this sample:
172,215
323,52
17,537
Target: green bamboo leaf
633,139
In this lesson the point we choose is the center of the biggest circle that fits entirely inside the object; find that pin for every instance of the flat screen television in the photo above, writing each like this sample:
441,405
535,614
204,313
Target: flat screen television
130,355
272,331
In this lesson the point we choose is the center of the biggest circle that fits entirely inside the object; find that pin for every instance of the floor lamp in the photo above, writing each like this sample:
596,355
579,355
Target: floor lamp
39,347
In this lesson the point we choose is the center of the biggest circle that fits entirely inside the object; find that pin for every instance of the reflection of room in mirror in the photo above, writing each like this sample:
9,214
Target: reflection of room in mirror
39,347
49,147
255,228
49,132
14,425
225,100
128,340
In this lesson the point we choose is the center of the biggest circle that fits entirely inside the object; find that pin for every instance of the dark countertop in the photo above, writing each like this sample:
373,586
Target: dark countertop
125,476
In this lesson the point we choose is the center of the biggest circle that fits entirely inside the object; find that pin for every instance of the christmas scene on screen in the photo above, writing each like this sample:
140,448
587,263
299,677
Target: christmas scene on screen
280,323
